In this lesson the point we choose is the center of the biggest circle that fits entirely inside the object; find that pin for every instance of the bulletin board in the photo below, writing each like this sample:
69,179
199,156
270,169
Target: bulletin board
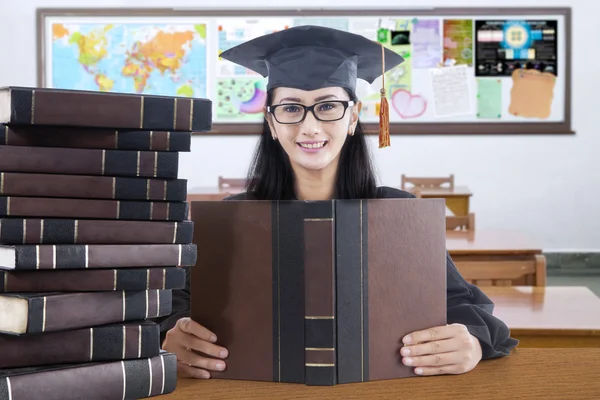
466,70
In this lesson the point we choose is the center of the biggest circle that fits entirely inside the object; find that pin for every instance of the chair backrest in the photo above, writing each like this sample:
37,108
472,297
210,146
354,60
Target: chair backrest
231,182
423,182
460,222
531,272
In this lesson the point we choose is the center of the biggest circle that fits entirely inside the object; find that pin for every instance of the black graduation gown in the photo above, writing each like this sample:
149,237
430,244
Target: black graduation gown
467,304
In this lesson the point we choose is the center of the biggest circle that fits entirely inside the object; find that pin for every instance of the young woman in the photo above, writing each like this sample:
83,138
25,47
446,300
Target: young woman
313,148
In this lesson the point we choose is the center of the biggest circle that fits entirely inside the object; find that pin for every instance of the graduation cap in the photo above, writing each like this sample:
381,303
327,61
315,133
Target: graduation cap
311,57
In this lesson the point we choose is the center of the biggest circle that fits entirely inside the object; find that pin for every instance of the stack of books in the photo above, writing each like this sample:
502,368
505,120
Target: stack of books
94,236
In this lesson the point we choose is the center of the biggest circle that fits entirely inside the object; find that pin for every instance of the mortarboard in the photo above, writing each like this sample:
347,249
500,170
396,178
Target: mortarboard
311,57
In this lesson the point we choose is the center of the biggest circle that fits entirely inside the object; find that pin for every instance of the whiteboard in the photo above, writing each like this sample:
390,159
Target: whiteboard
465,71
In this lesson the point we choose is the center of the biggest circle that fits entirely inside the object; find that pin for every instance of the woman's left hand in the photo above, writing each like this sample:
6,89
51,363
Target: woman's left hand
449,349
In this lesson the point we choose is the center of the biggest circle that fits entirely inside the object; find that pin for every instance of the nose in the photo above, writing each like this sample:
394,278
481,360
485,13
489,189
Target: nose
310,126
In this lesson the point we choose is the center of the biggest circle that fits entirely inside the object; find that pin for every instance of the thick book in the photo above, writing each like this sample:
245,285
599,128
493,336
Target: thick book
96,280
90,256
43,207
112,342
27,313
115,380
92,187
58,160
94,138
319,293
88,231
59,107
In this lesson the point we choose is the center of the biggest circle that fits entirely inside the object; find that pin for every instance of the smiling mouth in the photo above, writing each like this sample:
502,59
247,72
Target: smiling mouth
312,145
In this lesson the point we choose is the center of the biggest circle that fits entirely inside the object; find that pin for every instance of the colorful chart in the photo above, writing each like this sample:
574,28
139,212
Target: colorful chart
458,41
241,98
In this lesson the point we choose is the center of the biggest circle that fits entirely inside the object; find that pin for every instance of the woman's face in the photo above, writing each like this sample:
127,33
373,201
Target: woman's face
312,144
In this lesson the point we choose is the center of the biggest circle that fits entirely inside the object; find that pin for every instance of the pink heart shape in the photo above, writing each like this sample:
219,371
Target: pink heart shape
408,105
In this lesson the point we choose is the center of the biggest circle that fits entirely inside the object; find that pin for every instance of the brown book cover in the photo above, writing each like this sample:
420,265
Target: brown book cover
89,231
129,379
94,138
96,280
91,187
41,207
91,256
28,313
49,106
319,293
58,160
112,342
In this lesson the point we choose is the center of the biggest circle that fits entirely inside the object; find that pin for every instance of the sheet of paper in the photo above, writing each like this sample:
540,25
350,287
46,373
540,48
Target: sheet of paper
427,43
451,95
489,98
532,93
458,41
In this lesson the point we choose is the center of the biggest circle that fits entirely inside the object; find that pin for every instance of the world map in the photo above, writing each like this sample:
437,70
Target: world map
168,59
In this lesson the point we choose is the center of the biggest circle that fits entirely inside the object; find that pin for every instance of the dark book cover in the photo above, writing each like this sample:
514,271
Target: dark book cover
27,313
95,256
318,292
117,163
94,109
91,187
88,231
42,207
92,280
112,342
127,380
94,138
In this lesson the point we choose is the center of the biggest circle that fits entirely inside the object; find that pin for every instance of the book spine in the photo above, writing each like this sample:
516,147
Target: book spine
127,279
62,312
108,110
96,344
86,138
319,270
129,379
39,207
91,187
74,231
352,316
80,256
58,160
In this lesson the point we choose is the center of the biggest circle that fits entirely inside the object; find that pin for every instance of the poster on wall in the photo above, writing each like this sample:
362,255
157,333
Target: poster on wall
126,55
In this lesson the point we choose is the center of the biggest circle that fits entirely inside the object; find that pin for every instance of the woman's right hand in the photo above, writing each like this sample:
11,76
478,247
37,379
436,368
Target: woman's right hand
187,336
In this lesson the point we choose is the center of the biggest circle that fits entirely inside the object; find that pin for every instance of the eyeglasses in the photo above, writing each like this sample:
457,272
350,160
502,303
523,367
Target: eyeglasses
326,111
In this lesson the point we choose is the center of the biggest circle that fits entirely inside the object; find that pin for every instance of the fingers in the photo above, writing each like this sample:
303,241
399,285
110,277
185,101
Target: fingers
438,346
192,342
435,360
196,360
190,326
442,370
185,371
431,334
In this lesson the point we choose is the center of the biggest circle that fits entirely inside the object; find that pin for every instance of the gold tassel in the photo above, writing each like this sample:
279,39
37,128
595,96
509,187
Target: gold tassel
384,112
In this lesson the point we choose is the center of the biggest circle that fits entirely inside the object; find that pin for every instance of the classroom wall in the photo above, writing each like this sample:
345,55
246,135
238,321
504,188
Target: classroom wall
547,187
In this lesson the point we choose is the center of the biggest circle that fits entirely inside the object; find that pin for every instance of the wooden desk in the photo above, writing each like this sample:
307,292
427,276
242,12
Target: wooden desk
526,374
493,257
457,199
211,193
551,316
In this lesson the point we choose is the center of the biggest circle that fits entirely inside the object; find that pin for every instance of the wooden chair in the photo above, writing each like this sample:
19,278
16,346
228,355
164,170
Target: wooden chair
504,273
231,182
422,182
460,222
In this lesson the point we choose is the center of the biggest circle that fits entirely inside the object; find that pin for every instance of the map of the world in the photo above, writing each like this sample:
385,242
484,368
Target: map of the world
168,59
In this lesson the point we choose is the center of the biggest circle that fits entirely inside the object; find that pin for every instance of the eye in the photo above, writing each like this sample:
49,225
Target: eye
328,107
291,108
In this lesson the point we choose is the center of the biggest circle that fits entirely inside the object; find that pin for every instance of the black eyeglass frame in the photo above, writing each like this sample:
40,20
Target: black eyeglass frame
345,103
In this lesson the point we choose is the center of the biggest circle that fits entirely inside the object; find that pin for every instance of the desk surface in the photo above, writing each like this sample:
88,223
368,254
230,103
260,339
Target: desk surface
551,310
526,374
458,191
482,241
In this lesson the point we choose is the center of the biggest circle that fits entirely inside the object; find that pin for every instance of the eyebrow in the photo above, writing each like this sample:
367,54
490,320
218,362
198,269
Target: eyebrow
297,100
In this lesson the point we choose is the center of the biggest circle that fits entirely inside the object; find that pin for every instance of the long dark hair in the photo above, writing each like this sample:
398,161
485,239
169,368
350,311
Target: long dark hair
270,176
